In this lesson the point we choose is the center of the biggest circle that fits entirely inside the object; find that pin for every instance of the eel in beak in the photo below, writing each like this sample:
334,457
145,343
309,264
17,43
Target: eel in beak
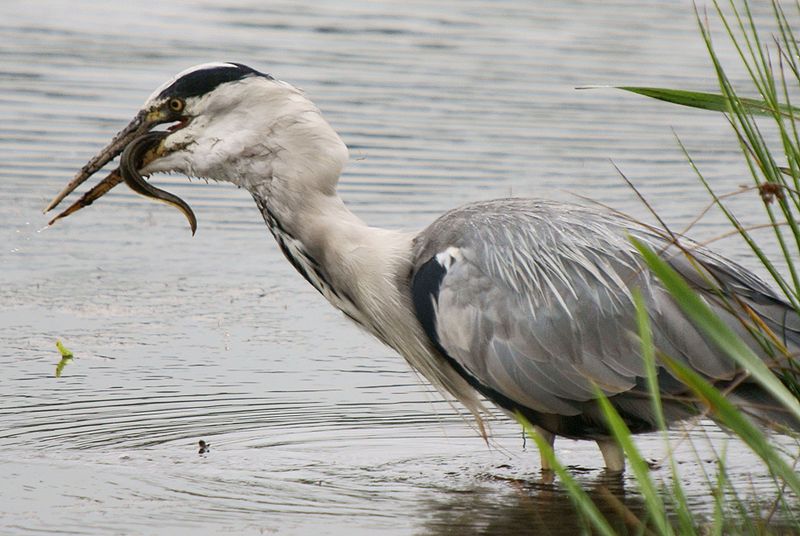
139,147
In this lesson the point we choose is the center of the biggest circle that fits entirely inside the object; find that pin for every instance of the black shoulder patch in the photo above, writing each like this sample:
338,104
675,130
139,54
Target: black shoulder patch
206,80
425,287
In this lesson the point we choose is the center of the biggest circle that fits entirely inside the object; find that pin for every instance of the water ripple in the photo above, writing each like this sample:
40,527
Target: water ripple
313,426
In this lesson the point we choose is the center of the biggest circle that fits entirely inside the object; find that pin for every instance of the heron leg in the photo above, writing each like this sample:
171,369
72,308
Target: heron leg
551,439
612,454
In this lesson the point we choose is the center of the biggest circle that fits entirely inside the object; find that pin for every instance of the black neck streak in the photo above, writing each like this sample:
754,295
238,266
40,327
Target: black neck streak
297,254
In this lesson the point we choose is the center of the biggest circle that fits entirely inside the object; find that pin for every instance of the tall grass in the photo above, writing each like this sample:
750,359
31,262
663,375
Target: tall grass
772,65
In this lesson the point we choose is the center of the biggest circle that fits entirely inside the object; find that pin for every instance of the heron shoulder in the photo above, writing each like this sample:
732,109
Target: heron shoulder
503,220
539,249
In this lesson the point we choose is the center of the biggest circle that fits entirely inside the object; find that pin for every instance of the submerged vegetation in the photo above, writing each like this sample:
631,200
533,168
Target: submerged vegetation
766,129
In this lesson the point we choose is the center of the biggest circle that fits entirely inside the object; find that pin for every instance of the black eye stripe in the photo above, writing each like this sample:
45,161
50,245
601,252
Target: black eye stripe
205,80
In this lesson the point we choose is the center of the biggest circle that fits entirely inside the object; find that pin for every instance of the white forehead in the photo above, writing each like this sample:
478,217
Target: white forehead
202,66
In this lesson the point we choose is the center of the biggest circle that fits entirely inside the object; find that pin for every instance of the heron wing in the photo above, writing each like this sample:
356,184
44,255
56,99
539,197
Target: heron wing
531,302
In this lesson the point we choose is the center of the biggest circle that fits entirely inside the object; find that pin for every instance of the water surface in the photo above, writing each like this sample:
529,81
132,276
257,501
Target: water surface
314,427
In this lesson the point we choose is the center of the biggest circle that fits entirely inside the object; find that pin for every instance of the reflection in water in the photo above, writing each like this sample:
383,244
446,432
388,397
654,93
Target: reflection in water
531,507
537,507
314,427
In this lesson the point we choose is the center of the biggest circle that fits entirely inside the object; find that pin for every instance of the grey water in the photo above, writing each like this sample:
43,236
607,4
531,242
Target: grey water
313,426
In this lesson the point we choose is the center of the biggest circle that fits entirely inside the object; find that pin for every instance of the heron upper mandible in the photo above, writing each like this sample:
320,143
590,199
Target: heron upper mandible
524,302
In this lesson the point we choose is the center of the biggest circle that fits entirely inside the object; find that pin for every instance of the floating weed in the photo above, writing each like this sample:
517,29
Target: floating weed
66,358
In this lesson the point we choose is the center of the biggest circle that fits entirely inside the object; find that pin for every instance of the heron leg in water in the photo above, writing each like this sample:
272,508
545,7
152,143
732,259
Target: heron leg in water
612,454
551,439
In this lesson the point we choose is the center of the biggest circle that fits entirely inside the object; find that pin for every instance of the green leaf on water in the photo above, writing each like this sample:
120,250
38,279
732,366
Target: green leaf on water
66,358
63,349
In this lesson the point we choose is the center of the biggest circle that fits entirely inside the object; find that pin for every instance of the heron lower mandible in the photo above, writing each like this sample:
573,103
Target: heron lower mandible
526,303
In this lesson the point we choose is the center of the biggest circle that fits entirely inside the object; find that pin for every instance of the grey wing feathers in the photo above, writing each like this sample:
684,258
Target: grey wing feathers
533,301
736,281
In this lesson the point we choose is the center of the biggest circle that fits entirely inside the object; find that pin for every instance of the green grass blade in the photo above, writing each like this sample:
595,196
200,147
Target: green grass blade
580,499
731,417
648,353
719,498
655,506
754,246
679,501
707,101
710,324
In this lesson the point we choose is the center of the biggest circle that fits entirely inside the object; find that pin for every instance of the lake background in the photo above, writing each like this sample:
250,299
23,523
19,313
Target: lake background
314,427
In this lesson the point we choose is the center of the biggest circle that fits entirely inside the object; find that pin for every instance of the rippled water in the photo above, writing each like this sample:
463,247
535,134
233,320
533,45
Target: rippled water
314,427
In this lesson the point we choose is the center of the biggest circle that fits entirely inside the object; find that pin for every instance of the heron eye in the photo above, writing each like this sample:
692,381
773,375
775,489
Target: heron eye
176,105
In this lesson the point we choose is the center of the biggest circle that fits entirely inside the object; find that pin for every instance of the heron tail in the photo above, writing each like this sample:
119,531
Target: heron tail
760,406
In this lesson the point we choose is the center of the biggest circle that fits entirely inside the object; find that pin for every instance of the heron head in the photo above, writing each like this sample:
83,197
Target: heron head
225,122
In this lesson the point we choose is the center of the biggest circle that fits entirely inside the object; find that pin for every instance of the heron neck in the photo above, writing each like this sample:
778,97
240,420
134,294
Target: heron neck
358,268
363,271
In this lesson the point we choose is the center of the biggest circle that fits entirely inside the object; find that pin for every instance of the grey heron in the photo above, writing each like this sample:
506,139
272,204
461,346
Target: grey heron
524,302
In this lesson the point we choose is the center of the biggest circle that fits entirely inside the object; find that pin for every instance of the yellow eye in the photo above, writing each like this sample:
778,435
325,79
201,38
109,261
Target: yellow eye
176,105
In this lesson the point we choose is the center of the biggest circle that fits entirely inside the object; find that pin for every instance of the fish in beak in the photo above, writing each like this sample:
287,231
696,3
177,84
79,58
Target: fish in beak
139,146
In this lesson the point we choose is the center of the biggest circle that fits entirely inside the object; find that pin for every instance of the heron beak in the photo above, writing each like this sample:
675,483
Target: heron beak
152,152
86,199
142,123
